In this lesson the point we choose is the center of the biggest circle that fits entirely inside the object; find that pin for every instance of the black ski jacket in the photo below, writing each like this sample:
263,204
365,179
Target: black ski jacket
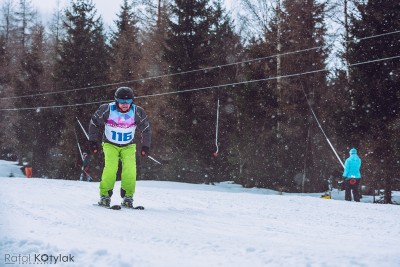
100,117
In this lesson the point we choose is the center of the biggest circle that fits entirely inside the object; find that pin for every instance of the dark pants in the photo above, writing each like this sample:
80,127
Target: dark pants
351,184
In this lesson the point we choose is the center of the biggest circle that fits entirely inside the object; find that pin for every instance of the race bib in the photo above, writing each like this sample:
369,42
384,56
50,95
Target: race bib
120,127
120,136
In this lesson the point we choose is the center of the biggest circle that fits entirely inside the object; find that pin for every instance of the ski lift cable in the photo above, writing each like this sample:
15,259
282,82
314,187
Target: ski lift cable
201,88
319,124
160,76
191,71
215,154
57,106
169,93
216,131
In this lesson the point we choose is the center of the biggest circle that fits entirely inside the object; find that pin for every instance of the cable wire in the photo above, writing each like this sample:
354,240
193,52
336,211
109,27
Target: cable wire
191,71
322,130
202,88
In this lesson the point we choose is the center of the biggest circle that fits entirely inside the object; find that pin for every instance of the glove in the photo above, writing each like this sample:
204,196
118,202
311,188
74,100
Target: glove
93,146
145,151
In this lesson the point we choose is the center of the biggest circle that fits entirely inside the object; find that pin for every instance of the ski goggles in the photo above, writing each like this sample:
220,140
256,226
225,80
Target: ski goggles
124,101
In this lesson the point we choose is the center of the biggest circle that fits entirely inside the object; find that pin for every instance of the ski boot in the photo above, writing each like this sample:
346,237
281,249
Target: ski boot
104,201
127,202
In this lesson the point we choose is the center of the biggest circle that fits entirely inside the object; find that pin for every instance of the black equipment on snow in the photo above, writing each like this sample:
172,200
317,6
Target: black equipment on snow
118,207
114,207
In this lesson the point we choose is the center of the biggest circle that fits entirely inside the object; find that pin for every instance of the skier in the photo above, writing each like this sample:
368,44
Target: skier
118,121
352,176
85,168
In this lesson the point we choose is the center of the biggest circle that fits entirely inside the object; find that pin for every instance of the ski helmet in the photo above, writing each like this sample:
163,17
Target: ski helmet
124,93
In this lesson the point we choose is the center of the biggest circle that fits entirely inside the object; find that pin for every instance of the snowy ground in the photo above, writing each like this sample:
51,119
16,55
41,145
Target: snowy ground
191,225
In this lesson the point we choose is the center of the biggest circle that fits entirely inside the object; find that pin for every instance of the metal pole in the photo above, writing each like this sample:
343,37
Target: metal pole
77,142
326,137
216,130
153,159
83,129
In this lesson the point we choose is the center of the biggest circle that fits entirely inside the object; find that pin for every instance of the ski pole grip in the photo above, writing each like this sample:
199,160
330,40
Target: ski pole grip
93,146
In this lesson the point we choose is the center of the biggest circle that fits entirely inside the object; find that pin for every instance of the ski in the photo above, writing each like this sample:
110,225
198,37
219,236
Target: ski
114,207
118,207
134,208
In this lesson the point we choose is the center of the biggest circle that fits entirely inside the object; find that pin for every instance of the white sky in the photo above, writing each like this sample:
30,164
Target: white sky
108,9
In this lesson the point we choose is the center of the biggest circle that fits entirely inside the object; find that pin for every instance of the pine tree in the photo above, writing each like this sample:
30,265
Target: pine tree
125,46
157,109
8,63
226,49
200,35
23,79
83,62
24,17
255,120
33,124
374,87
303,27
289,136
254,150
187,49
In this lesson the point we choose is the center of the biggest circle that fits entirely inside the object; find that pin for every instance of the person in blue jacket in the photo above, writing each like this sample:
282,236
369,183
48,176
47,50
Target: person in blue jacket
352,176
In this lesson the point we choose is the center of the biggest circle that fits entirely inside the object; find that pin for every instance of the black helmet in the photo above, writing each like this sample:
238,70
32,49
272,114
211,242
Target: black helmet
124,93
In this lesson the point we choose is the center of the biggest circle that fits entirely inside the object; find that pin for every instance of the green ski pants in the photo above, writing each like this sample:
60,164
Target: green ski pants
112,155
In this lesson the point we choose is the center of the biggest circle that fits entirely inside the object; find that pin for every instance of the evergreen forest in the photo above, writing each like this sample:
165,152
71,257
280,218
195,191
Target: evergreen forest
273,96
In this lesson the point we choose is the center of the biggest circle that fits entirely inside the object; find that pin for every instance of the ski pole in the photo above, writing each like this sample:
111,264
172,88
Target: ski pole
153,159
83,129
77,142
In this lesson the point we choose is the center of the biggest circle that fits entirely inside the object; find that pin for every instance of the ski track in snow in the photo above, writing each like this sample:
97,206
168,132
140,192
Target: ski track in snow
194,225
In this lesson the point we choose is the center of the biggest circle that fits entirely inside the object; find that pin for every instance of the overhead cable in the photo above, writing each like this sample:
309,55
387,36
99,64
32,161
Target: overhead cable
201,88
190,71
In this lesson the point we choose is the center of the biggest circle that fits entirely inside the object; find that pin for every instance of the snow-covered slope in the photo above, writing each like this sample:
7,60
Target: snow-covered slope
191,225
8,168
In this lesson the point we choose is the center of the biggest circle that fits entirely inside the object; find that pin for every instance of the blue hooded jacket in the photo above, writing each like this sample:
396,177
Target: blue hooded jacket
352,165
